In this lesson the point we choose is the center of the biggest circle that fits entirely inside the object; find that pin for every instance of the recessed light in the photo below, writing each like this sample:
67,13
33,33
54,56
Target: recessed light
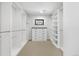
42,11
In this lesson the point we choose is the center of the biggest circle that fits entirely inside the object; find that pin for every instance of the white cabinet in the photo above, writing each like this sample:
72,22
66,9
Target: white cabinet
17,21
39,33
24,36
0,27
5,44
16,39
5,21
12,28
57,28
5,16
0,45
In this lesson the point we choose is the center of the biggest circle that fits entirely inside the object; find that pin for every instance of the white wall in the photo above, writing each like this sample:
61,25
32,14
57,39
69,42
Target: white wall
71,28
47,20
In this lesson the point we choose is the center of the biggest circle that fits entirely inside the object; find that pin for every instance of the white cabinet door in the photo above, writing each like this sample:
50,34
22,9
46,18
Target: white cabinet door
5,16
0,30
16,39
19,38
24,36
0,45
17,21
5,26
5,44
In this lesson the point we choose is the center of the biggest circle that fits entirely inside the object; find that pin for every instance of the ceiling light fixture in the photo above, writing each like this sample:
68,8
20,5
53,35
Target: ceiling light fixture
43,11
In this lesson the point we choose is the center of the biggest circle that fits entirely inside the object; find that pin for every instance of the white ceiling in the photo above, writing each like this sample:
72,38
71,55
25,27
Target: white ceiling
34,8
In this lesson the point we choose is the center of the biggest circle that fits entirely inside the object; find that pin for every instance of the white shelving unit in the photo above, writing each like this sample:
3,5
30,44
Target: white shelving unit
57,28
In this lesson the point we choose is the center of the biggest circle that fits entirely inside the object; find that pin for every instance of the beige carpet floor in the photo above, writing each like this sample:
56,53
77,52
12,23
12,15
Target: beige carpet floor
35,48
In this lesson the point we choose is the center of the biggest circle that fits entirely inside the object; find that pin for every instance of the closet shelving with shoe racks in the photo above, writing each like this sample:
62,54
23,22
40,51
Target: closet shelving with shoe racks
57,28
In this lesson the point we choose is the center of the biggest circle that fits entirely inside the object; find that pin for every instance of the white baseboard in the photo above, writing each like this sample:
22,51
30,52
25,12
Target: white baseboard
54,43
16,51
62,49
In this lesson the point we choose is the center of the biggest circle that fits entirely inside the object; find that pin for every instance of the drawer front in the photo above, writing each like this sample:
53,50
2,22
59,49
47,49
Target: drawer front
39,34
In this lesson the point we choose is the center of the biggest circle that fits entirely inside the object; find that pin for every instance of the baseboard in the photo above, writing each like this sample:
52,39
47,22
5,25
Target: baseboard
15,53
54,43
62,49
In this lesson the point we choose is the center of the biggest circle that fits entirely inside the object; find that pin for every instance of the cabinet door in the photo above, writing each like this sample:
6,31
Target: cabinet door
0,45
5,26
19,38
5,44
17,21
0,29
5,16
16,40
24,36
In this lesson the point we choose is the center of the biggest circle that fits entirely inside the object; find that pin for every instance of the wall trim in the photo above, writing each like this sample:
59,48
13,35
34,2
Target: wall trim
54,43
61,48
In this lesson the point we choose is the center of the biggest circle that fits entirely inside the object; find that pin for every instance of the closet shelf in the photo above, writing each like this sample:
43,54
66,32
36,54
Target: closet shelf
55,38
